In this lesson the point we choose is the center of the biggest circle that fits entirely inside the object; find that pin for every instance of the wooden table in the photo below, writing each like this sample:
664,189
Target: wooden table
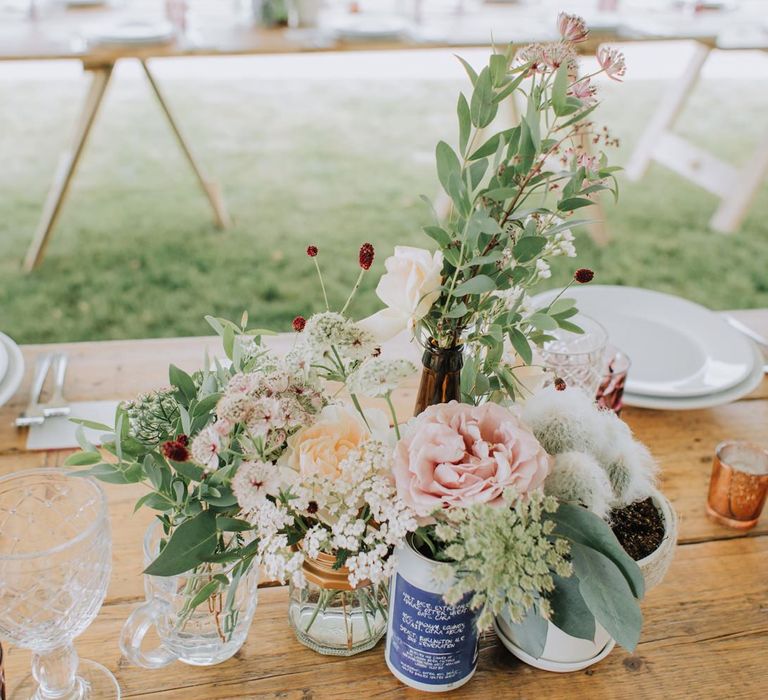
706,626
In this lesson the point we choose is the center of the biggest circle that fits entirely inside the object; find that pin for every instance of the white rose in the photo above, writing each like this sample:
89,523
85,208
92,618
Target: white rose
409,287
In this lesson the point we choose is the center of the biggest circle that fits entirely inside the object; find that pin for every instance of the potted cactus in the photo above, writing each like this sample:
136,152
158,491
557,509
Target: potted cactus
598,464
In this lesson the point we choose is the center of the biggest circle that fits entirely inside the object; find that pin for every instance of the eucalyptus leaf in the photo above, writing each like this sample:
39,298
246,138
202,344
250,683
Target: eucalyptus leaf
482,106
471,72
183,382
521,345
479,284
465,122
607,594
579,525
189,545
569,611
447,164
573,203
81,459
528,248
530,633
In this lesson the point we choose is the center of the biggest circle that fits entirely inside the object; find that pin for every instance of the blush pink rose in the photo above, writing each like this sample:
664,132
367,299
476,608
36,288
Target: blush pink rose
455,454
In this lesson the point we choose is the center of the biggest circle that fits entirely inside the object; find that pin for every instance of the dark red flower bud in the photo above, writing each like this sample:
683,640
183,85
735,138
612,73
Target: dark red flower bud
376,351
583,275
312,507
312,251
366,256
183,439
560,384
298,323
175,451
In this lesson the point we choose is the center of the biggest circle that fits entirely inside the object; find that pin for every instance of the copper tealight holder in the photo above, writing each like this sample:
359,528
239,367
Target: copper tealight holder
739,484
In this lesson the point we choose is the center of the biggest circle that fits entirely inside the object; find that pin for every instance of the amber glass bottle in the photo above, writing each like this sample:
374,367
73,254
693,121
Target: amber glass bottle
440,376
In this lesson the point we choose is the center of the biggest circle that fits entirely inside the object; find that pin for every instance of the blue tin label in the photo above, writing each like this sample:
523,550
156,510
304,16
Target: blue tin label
431,642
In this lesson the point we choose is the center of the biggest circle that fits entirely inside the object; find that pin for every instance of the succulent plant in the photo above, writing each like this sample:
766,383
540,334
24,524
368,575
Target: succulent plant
581,437
576,477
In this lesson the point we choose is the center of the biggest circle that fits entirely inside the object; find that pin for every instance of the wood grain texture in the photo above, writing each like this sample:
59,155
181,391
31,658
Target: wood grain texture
705,636
706,629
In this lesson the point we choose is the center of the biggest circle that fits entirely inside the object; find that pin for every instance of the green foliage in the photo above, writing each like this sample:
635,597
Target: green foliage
495,244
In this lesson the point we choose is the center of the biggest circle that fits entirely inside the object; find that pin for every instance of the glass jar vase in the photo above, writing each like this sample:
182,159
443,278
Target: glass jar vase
440,376
192,627
330,616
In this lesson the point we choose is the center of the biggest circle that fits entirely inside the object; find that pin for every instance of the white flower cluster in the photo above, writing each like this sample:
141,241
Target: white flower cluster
329,340
503,558
378,376
357,511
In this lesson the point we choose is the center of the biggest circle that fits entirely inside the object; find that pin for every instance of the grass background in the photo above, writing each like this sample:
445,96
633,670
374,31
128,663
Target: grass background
333,163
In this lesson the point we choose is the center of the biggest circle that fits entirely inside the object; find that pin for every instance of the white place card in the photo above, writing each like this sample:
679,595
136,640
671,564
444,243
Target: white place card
59,433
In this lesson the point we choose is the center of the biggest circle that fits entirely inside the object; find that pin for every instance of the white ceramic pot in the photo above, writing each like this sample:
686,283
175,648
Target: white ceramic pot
562,652
430,646
656,564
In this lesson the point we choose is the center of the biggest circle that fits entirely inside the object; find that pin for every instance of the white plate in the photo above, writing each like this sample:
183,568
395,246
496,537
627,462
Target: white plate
15,372
133,32
544,664
3,361
678,348
719,398
371,27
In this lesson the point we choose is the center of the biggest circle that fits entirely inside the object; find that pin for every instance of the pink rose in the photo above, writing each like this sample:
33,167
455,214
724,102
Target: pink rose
455,454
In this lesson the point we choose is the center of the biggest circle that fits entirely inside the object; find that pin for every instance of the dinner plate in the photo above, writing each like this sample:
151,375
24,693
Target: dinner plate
15,371
373,27
135,32
678,348
719,398
3,361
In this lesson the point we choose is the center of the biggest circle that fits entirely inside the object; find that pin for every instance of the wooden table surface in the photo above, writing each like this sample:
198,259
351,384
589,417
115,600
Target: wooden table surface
706,626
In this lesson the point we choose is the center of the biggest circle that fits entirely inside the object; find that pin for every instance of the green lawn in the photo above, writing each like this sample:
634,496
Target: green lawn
335,164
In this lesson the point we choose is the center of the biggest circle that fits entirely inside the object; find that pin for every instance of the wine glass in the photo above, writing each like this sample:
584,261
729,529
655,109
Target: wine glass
55,562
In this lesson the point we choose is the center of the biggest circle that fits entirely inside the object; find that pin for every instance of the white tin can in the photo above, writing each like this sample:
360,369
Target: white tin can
430,646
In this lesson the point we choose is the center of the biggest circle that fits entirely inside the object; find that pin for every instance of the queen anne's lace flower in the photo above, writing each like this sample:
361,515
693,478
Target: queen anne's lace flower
151,417
379,376
504,558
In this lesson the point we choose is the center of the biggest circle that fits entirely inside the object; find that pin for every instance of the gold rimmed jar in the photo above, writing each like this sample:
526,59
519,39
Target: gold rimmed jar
739,484
330,616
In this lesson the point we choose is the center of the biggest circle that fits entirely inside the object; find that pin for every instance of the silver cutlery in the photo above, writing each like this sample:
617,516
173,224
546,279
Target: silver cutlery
57,405
34,413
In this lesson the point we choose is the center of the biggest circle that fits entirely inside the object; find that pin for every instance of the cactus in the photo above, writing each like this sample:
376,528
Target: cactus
568,422
576,477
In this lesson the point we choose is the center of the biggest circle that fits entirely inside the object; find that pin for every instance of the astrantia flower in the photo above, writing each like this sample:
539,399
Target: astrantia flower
252,484
612,62
379,377
205,449
572,27
366,256
584,91
312,251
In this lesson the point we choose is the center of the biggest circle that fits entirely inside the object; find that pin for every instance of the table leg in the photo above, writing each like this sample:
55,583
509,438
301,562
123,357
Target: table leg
67,166
211,188
666,114
733,207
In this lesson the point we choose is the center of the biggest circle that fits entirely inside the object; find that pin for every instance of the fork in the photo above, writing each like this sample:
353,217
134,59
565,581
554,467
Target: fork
58,405
34,414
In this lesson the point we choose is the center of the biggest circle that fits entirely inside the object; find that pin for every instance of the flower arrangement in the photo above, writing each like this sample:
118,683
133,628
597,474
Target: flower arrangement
260,461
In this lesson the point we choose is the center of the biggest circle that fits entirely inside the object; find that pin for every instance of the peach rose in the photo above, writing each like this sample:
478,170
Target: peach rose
320,448
456,454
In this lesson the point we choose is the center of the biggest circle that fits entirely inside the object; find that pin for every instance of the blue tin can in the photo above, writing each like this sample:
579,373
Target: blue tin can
430,646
